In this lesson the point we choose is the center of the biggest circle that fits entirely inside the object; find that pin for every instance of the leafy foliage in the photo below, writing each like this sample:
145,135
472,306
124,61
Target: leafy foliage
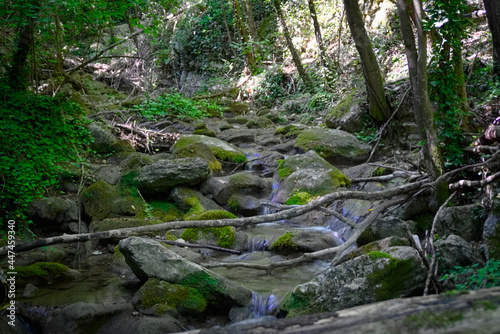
485,277
38,133
176,105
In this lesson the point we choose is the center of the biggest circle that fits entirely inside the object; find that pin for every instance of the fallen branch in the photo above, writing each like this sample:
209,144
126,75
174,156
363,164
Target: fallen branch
384,178
474,184
237,222
148,140
184,244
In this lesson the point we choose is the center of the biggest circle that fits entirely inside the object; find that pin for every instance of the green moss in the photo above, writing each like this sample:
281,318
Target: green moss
118,223
204,132
299,198
388,280
343,106
122,146
428,319
198,149
379,171
367,236
206,285
224,236
297,305
224,155
98,200
283,170
233,154
284,243
289,131
165,210
162,296
39,273
233,203
338,178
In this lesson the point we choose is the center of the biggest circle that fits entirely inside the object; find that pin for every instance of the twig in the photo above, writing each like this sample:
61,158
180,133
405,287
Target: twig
471,184
430,272
184,244
381,132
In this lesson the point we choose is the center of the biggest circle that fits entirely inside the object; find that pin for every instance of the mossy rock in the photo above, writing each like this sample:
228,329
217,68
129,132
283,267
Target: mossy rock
98,199
237,120
335,146
221,149
260,122
161,296
118,223
299,198
40,273
122,146
309,160
205,132
290,131
284,244
198,149
222,236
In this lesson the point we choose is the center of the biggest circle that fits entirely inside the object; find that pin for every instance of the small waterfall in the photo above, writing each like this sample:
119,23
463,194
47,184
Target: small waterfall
257,245
266,209
341,230
263,305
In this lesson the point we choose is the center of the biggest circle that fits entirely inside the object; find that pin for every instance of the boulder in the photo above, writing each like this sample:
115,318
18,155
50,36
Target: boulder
150,259
221,149
101,200
102,138
160,177
108,173
240,137
220,189
303,242
52,210
455,251
201,150
188,199
245,204
264,163
397,272
465,221
347,115
335,146
386,227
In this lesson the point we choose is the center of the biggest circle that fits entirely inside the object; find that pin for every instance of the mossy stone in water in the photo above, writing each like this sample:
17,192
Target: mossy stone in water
284,244
222,236
40,273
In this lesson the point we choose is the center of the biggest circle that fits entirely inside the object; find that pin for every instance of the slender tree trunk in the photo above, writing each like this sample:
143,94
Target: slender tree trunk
417,66
59,42
317,33
244,36
295,56
228,31
251,22
379,107
493,14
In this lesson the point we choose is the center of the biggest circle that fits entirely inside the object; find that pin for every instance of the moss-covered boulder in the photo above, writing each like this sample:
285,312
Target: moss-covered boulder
465,221
198,149
192,201
50,211
102,138
101,200
43,273
347,114
222,150
284,244
160,177
221,236
246,183
150,259
290,130
385,228
394,273
122,146
160,297
260,122
335,146
303,242
306,176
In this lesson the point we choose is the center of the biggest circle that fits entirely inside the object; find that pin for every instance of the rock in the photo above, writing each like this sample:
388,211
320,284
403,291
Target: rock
158,297
378,245
200,150
221,189
122,146
131,323
385,228
290,131
347,115
491,235
150,259
465,221
377,276
222,150
50,210
335,146
120,222
160,177
260,122
101,200
188,199
303,242
240,137
455,251
103,138
245,204
30,291
264,163
309,160
108,173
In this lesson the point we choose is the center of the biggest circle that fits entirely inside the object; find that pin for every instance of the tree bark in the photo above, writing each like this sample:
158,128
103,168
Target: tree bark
244,36
379,107
228,31
493,14
417,66
295,56
317,33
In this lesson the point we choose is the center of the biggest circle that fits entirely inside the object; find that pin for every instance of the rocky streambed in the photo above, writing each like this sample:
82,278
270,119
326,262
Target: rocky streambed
239,166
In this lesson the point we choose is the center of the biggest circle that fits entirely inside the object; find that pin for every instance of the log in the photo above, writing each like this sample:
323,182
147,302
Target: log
477,311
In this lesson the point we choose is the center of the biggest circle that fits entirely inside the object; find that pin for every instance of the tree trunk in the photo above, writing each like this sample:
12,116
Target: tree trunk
295,56
251,22
228,31
59,43
379,107
417,66
244,36
493,14
317,33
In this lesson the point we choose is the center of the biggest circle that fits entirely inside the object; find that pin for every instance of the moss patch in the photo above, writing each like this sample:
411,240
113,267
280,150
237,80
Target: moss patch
162,296
198,149
98,200
387,281
39,273
222,150
224,236
297,305
206,285
428,319
284,244
299,198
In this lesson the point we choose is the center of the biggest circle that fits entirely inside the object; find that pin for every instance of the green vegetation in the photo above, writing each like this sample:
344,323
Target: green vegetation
224,236
475,277
38,135
388,280
205,284
299,198
428,319
284,244
39,273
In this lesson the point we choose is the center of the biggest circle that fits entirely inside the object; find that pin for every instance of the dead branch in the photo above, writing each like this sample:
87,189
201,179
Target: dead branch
237,222
474,184
388,177
188,245
307,257
482,149
147,140
431,275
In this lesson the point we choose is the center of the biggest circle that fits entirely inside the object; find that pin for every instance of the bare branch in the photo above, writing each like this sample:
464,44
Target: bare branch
471,184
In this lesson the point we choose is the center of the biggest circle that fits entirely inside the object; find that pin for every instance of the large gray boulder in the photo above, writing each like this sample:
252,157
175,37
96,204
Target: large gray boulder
455,251
50,210
376,276
246,183
160,177
150,259
465,221
335,146
102,138
187,198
